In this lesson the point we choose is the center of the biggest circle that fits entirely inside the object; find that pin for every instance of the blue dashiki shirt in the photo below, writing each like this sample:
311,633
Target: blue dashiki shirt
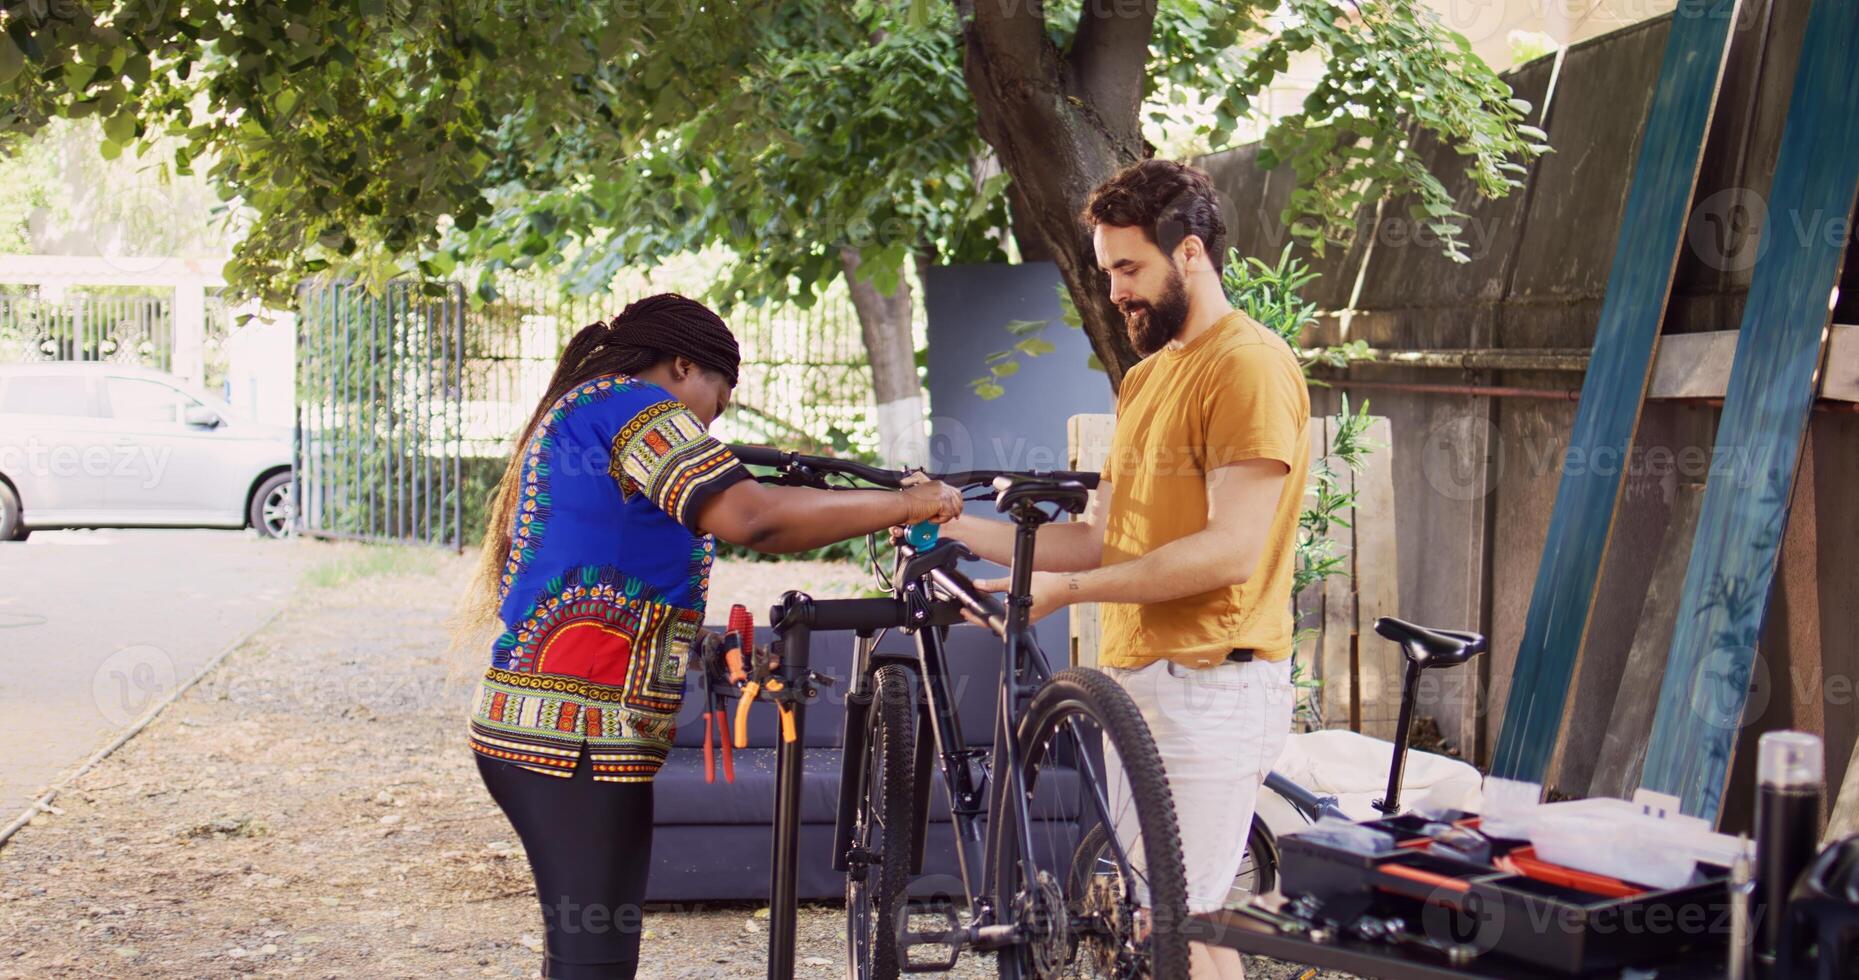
603,591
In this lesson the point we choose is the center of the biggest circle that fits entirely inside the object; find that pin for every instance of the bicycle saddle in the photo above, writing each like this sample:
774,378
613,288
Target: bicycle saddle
1012,488
1425,647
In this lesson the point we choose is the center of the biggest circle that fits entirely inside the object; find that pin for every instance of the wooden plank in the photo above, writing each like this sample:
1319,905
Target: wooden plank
1307,605
1692,365
1843,818
1379,664
1841,379
1087,440
1623,749
1764,421
1639,285
1336,645
1697,365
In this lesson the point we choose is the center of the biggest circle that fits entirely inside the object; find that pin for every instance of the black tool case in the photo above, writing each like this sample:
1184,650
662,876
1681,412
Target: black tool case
1500,914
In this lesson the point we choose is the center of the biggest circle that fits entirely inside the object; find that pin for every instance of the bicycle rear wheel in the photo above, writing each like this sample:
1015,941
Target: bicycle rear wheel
1124,919
879,866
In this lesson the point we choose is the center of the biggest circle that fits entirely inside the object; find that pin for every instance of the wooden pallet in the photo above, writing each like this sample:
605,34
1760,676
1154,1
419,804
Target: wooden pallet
1766,407
1639,283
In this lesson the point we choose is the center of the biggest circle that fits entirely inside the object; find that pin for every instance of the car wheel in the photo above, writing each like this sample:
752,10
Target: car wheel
12,528
273,512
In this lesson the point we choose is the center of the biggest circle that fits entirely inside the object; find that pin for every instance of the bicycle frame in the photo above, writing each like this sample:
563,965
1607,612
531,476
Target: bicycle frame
914,609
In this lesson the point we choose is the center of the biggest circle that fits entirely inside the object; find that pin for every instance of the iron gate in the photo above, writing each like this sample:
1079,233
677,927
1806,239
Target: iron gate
114,324
380,412
408,401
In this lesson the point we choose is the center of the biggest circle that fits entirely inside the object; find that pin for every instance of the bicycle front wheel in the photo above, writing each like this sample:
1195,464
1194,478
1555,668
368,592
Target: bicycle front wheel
1122,917
879,867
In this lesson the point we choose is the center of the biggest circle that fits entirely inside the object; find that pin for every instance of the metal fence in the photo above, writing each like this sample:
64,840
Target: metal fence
409,404
380,412
804,382
121,325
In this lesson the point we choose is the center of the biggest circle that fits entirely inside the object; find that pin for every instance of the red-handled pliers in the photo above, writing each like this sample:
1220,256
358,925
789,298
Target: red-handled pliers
720,715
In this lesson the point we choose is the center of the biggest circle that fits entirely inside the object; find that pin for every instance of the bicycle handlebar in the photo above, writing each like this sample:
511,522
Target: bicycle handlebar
787,462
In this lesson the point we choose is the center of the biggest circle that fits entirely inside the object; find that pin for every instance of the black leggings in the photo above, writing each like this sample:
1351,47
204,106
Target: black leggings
590,847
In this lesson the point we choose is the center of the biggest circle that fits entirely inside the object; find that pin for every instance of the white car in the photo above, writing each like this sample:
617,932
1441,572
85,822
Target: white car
106,445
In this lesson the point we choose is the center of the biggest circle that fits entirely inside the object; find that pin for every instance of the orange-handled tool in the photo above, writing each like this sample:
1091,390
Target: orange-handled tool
749,691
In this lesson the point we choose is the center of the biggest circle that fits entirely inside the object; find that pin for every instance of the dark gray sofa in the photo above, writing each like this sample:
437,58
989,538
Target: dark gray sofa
711,840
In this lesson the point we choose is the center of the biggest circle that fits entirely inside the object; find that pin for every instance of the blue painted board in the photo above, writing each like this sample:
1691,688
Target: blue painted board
1638,286
1765,415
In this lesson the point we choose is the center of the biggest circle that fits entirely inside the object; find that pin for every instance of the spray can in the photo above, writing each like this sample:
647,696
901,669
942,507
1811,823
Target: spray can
1789,772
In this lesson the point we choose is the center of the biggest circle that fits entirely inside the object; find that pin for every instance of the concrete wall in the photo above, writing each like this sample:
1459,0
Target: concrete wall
1476,476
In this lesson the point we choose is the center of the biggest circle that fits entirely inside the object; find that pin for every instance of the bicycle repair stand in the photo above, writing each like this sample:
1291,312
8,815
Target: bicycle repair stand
794,621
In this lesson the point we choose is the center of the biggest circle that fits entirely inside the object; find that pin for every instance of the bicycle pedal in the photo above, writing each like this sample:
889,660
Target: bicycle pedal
949,937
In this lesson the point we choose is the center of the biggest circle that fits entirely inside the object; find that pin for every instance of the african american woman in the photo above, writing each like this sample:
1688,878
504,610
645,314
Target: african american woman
595,566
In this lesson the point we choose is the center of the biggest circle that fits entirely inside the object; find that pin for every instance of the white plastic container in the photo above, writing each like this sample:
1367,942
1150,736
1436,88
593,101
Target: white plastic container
1621,840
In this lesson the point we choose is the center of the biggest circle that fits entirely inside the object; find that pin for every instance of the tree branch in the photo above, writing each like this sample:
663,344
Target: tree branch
1110,59
1014,34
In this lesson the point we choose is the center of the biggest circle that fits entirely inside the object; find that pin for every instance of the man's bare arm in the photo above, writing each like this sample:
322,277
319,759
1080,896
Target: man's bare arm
1070,546
1240,500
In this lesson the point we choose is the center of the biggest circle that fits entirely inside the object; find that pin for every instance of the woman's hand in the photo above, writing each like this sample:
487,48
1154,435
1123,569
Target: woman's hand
931,500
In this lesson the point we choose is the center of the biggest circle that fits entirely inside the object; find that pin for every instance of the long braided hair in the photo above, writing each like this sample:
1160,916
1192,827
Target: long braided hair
646,332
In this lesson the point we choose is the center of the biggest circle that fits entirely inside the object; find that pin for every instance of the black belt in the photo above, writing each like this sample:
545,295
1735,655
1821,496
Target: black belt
1240,656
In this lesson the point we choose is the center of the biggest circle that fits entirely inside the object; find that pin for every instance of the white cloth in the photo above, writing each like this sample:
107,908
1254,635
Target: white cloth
1218,730
1354,768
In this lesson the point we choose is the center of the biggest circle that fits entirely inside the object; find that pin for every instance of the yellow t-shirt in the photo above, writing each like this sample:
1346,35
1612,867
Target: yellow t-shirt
1233,394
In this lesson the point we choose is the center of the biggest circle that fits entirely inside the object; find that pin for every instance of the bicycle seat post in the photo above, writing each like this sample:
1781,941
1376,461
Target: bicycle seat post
1422,648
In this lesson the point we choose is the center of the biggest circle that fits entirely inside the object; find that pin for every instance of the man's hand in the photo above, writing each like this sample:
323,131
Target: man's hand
1052,591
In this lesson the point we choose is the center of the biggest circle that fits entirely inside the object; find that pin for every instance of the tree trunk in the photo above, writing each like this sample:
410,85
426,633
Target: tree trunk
1061,124
884,321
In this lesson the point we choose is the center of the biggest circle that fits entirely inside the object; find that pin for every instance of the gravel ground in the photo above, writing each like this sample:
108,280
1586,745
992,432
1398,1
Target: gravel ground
310,810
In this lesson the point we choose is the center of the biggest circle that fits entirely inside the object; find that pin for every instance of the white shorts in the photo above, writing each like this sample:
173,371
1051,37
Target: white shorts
1219,730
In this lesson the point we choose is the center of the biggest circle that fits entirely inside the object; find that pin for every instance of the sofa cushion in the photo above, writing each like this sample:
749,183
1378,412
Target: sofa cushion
680,795
698,863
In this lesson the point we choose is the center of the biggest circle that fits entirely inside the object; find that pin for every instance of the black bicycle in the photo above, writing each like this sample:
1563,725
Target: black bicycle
1042,884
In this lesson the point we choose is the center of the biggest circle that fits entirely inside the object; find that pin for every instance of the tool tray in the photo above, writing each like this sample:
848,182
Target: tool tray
1501,913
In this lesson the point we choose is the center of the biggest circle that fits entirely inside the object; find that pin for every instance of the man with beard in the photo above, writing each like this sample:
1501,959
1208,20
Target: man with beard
1190,539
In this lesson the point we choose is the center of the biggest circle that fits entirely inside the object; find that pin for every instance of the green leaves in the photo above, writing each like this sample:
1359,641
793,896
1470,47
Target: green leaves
12,59
1270,293
1396,83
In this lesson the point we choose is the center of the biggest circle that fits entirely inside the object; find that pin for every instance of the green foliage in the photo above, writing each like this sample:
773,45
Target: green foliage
359,134
1271,294
1392,75
848,127
468,137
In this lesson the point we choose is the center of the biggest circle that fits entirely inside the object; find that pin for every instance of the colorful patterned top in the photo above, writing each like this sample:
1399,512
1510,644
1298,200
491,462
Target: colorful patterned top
604,588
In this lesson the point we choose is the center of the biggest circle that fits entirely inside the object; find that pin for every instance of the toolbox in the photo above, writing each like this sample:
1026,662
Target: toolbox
1514,906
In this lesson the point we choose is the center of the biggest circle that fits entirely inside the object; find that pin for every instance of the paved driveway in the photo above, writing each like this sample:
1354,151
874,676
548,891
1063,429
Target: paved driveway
95,626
